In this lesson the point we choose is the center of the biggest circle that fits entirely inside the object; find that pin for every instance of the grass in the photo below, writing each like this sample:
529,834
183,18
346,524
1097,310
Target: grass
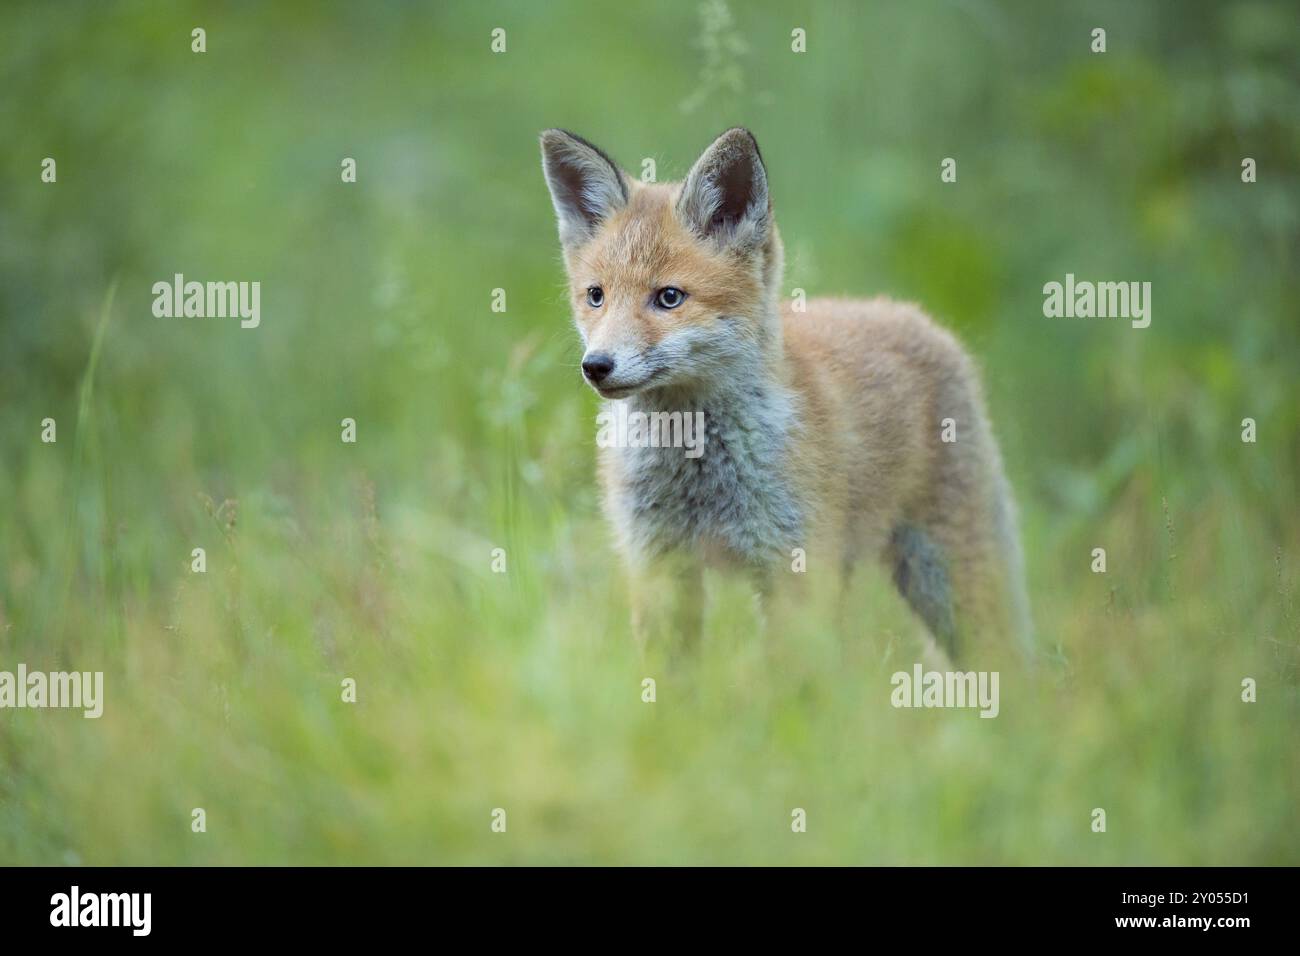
521,690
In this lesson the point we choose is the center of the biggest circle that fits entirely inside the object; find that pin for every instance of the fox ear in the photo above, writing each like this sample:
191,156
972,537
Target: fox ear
725,194
586,186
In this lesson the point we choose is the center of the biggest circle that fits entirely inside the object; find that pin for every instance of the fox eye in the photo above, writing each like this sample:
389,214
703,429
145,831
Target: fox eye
595,296
669,297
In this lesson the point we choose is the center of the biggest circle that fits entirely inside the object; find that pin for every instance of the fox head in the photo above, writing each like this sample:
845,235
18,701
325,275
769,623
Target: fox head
674,285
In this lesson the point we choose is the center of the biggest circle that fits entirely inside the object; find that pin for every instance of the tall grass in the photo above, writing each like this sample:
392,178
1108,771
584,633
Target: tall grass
522,690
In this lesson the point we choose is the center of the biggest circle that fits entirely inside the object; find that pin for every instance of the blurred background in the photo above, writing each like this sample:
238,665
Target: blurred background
522,690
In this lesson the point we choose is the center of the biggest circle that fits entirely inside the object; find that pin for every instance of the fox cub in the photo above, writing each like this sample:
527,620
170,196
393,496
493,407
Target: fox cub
850,429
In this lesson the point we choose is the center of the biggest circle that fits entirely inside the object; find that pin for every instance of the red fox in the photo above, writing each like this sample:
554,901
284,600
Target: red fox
852,429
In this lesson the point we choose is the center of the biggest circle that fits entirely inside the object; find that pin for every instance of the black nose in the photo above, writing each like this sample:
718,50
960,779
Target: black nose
596,367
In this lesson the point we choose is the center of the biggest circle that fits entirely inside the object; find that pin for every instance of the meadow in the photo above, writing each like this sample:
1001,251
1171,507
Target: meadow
373,560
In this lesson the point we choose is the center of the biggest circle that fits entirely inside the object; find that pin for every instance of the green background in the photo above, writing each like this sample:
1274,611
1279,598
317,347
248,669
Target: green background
523,690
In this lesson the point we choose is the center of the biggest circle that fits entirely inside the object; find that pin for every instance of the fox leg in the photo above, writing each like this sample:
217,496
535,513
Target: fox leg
667,599
961,572
921,575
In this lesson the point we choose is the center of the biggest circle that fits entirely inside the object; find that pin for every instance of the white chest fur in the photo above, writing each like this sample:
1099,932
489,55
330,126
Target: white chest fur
733,499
